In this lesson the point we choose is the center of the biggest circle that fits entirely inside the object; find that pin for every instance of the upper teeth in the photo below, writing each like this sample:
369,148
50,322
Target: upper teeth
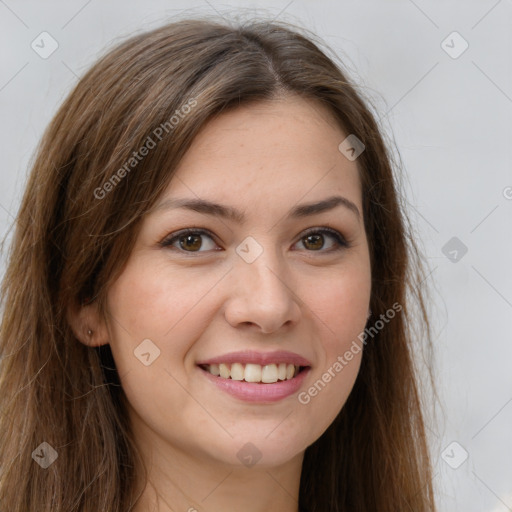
254,372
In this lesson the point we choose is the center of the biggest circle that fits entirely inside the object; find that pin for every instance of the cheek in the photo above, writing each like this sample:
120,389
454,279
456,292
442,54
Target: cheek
150,300
341,306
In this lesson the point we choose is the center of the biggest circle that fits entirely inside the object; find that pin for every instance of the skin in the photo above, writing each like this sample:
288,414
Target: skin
298,295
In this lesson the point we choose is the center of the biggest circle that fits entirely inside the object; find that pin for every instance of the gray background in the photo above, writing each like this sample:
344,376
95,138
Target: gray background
450,118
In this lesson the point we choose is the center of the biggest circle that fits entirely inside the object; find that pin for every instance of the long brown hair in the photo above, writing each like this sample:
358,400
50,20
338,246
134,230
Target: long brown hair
74,234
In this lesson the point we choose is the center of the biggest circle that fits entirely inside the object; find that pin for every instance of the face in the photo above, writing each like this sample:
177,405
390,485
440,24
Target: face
265,288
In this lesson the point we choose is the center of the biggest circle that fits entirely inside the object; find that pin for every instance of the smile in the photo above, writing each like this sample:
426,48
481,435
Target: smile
258,377
265,374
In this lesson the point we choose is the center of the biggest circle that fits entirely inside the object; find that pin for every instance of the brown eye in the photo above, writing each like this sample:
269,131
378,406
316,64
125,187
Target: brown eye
190,241
315,240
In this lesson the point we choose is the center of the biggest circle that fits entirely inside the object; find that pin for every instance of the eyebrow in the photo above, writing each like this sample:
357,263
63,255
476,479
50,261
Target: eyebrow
230,213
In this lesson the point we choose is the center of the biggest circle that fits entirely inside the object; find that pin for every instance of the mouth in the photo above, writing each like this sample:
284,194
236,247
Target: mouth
254,373
257,377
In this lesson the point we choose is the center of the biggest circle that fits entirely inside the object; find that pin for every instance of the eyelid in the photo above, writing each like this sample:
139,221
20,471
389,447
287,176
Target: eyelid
166,242
340,239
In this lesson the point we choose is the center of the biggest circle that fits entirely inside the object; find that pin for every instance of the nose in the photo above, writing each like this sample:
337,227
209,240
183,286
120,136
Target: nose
262,295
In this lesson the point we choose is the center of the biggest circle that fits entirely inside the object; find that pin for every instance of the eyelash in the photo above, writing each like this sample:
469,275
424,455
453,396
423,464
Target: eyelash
336,235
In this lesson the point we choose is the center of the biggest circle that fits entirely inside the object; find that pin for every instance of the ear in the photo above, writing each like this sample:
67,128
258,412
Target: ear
88,324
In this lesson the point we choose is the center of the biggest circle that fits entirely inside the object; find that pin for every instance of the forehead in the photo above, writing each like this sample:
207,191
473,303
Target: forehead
284,149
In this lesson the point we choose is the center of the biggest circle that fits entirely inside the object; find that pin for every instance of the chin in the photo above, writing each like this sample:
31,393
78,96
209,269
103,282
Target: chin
260,450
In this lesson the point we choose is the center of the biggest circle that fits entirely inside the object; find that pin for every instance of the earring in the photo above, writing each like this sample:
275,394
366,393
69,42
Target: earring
89,332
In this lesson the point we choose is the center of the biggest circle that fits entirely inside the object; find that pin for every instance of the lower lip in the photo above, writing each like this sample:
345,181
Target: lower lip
255,392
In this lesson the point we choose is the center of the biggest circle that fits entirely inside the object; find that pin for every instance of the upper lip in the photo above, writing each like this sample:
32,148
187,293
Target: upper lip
261,358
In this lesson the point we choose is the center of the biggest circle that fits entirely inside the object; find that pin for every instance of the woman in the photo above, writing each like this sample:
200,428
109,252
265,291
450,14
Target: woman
205,302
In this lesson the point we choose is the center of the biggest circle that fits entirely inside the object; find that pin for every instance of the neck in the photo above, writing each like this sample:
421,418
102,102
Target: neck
180,480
